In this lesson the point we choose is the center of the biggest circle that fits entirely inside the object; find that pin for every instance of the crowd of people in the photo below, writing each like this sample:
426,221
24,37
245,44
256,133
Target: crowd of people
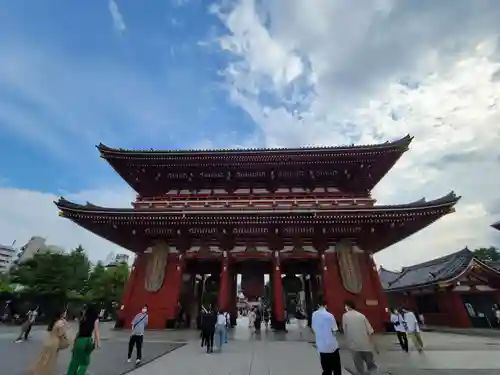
215,324
86,340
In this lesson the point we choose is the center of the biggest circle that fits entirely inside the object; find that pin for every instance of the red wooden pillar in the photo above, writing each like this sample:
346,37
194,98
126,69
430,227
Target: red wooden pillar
129,287
279,308
333,289
233,300
224,287
383,305
172,288
127,295
457,313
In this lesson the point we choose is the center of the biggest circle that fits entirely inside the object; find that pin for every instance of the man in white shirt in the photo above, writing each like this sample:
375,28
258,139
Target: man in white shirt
399,325
358,334
413,329
324,327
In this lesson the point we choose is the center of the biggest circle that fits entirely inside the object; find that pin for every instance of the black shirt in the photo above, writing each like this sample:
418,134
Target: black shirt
86,328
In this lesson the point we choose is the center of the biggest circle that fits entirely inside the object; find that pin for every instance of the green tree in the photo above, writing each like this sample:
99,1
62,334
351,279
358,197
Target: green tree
5,283
487,254
53,280
46,279
106,285
79,267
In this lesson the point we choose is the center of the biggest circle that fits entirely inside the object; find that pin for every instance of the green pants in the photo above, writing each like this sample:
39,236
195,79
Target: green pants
80,358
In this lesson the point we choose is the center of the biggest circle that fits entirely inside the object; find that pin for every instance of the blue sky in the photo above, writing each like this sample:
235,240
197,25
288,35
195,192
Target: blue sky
76,79
233,73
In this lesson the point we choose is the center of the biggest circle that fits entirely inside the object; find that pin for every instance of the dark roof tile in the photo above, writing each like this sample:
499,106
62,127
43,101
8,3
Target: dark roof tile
430,272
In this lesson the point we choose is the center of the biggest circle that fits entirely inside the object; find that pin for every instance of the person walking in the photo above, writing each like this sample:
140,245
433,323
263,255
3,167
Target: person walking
358,334
400,328
227,315
251,319
220,330
201,316
266,316
413,329
55,341
208,322
301,318
31,316
258,320
139,324
324,327
87,339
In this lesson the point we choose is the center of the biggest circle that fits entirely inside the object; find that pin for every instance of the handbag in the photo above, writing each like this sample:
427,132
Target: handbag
63,342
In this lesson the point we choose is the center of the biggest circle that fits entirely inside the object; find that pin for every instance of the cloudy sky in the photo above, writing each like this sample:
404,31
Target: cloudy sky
198,74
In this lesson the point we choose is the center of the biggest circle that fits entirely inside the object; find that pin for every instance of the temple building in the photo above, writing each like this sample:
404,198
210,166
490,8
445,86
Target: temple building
303,216
457,290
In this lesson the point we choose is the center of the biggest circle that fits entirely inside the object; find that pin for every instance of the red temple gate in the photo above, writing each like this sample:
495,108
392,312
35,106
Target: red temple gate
305,212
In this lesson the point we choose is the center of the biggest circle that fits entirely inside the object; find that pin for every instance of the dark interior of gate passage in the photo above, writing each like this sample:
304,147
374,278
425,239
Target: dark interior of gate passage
276,212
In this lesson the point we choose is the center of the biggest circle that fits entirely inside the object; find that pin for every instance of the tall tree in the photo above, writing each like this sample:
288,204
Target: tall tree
106,285
79,266
5,283
46,279
487,254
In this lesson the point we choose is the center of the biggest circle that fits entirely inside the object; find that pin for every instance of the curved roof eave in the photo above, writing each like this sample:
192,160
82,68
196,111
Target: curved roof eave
401,144
449,200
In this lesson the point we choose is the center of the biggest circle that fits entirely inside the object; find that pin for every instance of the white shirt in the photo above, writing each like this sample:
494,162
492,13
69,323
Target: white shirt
357,331
324,327
221,319
411,322
398,322
32,316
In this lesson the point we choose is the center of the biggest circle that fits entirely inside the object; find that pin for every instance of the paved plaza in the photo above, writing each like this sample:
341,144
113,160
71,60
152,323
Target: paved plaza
179,353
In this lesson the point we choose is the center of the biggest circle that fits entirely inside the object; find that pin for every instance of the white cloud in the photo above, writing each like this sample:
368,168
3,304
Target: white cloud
27,213
118,22
342,72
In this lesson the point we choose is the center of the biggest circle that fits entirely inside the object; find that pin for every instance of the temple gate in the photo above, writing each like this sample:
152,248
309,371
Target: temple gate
202,217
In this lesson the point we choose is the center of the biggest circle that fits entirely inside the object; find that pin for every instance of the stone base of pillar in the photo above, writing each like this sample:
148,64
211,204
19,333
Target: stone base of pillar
171,323
279,325
120,323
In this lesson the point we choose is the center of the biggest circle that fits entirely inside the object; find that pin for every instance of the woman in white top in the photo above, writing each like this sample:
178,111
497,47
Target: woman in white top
220,330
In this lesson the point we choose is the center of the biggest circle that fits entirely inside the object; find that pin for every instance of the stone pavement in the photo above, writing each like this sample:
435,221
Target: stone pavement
238,358
485,332
110,359
445,354
269,353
